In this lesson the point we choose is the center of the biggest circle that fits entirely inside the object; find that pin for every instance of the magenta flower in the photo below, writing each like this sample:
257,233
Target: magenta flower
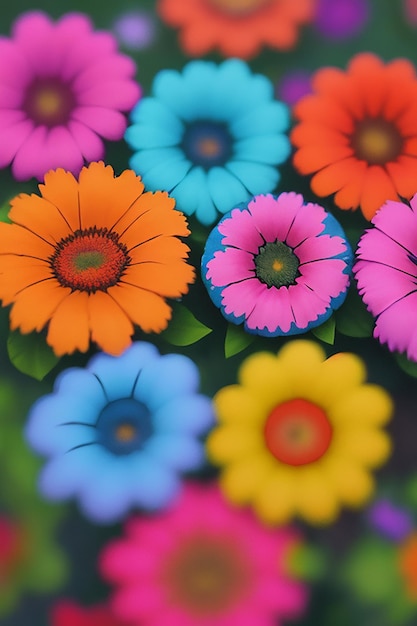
203,562
277,265
387,275
63,88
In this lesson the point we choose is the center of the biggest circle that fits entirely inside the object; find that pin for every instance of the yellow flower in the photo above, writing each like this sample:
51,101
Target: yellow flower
300,433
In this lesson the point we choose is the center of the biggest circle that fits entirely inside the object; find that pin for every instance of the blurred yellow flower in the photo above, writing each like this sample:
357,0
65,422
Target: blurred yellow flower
300,433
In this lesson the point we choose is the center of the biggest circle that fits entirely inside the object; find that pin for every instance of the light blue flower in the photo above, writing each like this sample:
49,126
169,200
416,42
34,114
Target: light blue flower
212,136
119,432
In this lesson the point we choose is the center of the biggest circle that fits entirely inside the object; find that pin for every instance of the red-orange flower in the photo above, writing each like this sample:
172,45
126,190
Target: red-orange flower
236,27
357,133
90,258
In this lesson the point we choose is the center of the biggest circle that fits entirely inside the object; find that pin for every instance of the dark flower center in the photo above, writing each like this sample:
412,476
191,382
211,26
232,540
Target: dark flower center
376,141
49,102
207,143
124,426
276,265
90,260
206,575
239,7
297,432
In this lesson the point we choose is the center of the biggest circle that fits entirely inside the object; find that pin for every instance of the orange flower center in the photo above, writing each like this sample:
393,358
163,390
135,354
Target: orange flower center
206,576
407,560
49,102
297,432
376,141
90,260
239,7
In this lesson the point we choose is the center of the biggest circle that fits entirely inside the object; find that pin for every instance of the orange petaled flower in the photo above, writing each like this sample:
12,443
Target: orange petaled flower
357,133
89,258
236,27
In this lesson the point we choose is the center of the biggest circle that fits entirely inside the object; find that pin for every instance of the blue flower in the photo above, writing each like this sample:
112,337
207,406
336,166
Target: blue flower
118,433
211,135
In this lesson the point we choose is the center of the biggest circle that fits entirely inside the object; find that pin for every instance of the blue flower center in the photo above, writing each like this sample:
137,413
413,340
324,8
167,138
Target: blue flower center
207,143
124,426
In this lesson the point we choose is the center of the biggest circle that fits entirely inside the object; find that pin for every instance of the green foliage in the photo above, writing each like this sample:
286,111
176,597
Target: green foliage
352,319
236,340
184,329
326,332
30,354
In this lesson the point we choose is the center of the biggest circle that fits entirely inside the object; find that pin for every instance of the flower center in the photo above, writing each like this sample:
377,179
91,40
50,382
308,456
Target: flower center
90,260
207,575
49,102
376,141
239,7
207,143
124,426
297,432
276,265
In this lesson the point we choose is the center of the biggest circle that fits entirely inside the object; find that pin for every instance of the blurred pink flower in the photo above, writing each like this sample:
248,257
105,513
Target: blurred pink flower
63,88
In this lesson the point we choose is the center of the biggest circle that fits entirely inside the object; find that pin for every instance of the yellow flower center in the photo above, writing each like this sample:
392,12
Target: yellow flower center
206,575
125,432
49,102
297,432
239,7
377,141
210,147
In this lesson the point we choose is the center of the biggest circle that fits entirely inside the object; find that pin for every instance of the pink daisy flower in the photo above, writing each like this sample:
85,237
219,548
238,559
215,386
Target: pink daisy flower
277,265
63,88
203,562
387,274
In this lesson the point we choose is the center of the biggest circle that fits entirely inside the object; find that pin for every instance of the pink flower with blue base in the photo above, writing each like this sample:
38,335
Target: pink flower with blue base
277,265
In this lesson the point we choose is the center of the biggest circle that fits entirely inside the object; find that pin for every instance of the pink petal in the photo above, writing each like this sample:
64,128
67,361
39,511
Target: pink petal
73,23
274,216
285,597
111,68
12,139
107,123
230,266
126,562
381,286
398,221
376,246
117,94
15,70
326,278
240,231
87,49
11,97
307,223
89,143
272,310
35,35
322,247
10,117
306,304
241,298
397,328
136,602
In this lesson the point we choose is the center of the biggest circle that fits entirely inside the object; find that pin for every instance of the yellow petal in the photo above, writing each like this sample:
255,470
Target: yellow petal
368,404
266,378
236,405
231,443
239,481
316,498
274,501
353,484
369,447
339,374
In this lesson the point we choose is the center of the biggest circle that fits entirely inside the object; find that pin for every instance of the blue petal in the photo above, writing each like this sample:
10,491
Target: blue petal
268,149
171,376
166,178
118,375
193,414
153,486
256,177
225,189
178,453
153,112
81,382
192,196
141,136
269,117
145,160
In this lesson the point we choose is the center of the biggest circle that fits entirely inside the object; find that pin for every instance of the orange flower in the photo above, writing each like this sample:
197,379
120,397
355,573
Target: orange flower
358,133
236,27
90,258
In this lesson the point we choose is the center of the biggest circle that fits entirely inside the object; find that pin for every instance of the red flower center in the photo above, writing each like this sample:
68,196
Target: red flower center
90,260
297,432
49,102
376,141
239,7
206,576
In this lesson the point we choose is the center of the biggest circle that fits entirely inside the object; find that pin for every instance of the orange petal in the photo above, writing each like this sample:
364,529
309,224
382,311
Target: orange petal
407,119
69,328
336,85
334,177
111,329
146,309
324,110
104,198
377,189
313,157
401,76
403,173
169,280
307,134
163,249
348,197
39,216
35,306
17,240
61,190
368,83
18,273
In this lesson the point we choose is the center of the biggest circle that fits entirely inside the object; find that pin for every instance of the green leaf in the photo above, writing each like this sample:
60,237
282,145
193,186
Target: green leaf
352,319
184,329
4,213
326,332
409,367
30,354
236,340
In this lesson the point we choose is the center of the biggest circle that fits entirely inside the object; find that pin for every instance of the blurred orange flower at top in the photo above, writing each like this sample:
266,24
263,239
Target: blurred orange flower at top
357,133
89,258
236,27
